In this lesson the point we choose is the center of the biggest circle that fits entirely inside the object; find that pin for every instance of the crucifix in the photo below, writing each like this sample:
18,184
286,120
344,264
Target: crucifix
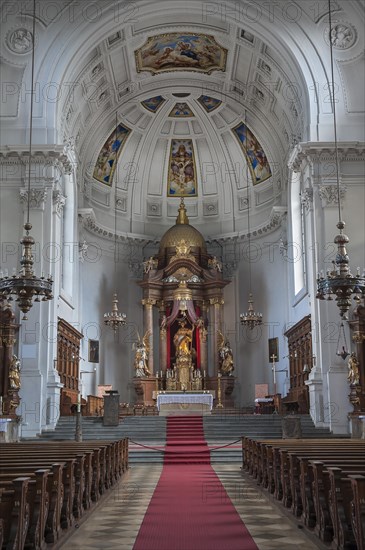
273,357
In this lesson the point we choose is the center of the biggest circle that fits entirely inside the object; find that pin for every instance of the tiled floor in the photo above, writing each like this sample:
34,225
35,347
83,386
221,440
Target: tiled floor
114,524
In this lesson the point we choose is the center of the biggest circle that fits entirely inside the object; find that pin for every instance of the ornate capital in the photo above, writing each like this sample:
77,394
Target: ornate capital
59,202
37,198
216,301
358,337
329,196
8,342
148,302
306,198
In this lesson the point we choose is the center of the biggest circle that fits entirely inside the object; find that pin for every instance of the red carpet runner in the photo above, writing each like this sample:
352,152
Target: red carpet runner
190,509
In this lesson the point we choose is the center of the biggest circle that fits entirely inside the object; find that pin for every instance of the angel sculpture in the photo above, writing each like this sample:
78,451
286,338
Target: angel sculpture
225,355
353,370
141,355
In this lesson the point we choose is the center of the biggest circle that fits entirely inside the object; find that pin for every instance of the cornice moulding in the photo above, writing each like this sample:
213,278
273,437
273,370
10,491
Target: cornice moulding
89,222
324,151
54,155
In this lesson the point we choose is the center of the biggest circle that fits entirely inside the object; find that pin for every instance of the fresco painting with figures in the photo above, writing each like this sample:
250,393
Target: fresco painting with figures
182,172
175,51
257,160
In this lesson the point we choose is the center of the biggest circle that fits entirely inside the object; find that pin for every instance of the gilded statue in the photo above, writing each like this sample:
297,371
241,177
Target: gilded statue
202,329
149,264
353,370
141,355
225,355
14,373
183,339
214,263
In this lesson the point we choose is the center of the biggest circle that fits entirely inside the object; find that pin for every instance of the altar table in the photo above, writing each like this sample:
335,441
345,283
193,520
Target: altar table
203,400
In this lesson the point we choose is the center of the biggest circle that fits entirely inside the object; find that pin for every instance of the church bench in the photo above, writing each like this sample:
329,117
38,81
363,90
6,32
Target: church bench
311,490
298,473
358,509
286,470
342,507
38,500
291,472
1,529
264,462
14,512
72,481
55,499
86,471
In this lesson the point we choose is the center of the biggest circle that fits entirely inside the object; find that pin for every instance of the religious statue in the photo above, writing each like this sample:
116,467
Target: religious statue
14,373
353,370
225,355
141,356
202,329
183,339
149,264
214,263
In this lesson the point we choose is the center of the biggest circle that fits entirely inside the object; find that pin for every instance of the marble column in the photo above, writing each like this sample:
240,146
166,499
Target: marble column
148,304
163,336
216,316
203,341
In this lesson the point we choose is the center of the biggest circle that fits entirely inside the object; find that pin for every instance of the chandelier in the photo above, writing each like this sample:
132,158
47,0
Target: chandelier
250,318
26,286
339,282
115,319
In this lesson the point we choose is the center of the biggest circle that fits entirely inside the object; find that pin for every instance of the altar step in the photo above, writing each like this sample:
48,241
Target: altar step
148,433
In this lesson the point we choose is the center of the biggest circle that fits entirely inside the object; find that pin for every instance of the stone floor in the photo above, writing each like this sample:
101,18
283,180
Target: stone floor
115,522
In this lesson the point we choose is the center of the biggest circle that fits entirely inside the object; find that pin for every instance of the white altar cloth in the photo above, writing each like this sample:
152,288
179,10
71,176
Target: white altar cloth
185,398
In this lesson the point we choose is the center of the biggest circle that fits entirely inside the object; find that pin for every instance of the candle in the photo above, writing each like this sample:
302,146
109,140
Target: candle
1,404
204,374
78,403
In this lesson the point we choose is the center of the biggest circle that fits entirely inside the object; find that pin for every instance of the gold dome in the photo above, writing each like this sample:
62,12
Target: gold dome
182,231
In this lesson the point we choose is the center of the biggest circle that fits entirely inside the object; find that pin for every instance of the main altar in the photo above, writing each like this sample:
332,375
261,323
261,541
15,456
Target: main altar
183,300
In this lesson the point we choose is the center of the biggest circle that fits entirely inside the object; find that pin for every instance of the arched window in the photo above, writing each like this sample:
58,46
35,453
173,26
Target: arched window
296,249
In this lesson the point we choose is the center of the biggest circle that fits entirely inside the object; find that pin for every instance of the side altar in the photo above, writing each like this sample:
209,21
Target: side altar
183,299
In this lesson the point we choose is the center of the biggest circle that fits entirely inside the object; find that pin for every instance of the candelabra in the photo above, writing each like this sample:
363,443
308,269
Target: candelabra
26,286
339,282
115,319
250,318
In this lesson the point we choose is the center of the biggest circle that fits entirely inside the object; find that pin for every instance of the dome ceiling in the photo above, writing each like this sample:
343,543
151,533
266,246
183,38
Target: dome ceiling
256,69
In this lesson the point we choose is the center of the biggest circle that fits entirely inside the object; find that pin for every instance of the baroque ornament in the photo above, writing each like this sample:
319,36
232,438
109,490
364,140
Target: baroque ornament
343,35
37,197
20,41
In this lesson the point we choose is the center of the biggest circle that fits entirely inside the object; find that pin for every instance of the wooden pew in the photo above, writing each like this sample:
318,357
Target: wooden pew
62,492
14,512
312,477
38,499
358,509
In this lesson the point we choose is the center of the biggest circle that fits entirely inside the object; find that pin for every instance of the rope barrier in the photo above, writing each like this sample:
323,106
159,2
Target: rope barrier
147,446
228,445
163,450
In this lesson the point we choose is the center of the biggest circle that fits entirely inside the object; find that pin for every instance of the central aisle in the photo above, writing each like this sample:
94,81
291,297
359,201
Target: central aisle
190,509
184,504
